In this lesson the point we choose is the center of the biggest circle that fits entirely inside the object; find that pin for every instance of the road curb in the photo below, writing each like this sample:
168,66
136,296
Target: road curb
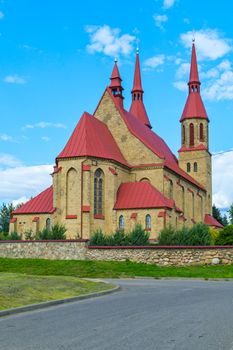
46,304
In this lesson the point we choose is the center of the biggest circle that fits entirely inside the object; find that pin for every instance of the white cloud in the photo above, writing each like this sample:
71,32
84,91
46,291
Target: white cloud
24,181
183,70
209,43
1,15
109,41
160,20
154,62
5,137
223,179
168,4
43,125
7,160
14,79
20,200
219,85
180,85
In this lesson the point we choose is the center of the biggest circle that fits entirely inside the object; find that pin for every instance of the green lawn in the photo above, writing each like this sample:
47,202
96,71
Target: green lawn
17,289
109,269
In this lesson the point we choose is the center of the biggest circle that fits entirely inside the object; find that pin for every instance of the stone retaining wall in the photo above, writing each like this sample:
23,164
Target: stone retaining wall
79,250
60,250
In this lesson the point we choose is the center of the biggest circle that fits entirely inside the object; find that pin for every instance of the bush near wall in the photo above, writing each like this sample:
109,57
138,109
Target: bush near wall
225,236
13,236
198,235
137,237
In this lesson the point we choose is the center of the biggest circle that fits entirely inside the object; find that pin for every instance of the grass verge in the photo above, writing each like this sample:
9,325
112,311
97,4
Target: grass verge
110,269
19,290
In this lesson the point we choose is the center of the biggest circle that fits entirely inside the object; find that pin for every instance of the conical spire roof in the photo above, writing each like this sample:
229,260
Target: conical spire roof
137,83
137,106
194,77
194,107
115,77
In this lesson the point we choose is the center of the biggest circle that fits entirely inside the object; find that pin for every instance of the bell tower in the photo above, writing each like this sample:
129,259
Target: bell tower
194,155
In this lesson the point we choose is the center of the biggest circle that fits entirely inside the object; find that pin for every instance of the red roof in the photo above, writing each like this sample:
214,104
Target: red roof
137,107
137,83
115,77
139,195
154,142
42,203
91,137
194,77
211,221
200,147
148,137
194,107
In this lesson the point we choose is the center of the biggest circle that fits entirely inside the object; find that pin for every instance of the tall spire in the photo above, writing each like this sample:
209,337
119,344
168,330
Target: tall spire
194,77
137,106
137,83
115,84
194,107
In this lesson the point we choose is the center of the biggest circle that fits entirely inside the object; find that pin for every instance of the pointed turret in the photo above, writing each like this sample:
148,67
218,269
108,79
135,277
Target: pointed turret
194,77
137,106
115,85
194,156
194,107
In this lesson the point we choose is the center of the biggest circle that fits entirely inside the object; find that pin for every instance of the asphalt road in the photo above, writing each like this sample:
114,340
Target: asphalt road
145,315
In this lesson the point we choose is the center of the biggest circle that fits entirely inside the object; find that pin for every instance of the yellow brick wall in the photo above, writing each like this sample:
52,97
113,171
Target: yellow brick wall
201,157
73,192
134,151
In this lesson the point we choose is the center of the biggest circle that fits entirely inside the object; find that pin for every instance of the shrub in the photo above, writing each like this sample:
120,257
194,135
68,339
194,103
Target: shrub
167,236
29,235
118,238
199,234
138,236
98,238
214,233
57,232
4,236
225,236
43,235
195,236
14,236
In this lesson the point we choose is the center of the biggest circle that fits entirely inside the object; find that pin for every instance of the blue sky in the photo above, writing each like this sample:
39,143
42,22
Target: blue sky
56,58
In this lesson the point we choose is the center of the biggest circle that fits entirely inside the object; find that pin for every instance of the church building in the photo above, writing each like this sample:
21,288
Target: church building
115,171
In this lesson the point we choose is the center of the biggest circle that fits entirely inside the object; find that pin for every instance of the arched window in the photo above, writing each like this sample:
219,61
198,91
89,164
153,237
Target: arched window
134,96
144,179
183,135
193,206
195,167
98,192
48,224
183,199
191,135
188,167
121,222
148,222
138,97
201,132
72,188
170,189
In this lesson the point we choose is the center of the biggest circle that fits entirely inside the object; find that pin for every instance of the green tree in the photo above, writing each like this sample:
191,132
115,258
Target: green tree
225,220
217,214
230,211
5,214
